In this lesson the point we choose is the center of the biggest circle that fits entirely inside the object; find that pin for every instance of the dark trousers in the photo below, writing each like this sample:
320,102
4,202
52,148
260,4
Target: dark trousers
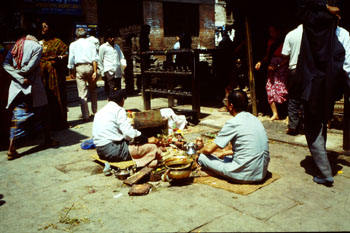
111,83
295,113
295,107
114,151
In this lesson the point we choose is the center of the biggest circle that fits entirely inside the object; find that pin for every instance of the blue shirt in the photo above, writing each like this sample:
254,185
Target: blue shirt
249,145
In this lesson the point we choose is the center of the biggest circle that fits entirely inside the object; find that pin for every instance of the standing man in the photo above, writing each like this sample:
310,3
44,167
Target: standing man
321,69
82,65
27,97
290,50
249,141
121,65
112,59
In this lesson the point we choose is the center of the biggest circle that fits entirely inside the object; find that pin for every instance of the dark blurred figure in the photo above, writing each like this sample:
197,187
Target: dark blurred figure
184,60
144,37
240,68
320,67
53,74
224,67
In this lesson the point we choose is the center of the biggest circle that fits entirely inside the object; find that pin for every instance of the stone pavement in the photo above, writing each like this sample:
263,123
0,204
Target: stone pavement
63,190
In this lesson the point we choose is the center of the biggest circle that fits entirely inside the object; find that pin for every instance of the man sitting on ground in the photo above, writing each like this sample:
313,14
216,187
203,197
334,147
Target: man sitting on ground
249,145
112,134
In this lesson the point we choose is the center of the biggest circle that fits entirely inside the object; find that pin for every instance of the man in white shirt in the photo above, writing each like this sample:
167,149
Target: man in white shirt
82,64
291,49
112,134
112,60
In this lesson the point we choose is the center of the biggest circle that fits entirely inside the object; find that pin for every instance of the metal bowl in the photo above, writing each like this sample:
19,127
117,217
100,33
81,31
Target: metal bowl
178,162
122,174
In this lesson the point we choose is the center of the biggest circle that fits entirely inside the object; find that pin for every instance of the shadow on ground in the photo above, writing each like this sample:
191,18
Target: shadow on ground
65,138
310,167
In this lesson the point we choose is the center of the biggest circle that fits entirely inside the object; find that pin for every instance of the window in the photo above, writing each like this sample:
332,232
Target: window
180,18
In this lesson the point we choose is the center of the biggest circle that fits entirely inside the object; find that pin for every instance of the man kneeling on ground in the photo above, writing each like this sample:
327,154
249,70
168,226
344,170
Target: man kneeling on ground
113,133
249,145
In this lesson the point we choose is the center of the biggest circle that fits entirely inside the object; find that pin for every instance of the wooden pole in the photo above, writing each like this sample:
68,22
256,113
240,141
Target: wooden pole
250,68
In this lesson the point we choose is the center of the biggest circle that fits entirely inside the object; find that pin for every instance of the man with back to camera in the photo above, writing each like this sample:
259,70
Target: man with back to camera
290,50
82,65
26,97
113,134
323,66
249,145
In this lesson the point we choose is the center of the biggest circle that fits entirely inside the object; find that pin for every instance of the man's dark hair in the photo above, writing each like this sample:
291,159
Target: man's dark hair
93,32
109,33
117,95
239,100
19,33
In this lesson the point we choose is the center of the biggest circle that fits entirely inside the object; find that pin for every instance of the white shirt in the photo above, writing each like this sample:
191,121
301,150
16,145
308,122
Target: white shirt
108,57
291,46
111,124
176,45
81,51
344,39
94,41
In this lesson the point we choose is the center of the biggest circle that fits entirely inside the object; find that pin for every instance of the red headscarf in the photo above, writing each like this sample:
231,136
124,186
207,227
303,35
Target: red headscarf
17,50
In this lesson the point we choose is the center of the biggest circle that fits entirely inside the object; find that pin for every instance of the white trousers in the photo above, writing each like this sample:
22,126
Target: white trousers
83,74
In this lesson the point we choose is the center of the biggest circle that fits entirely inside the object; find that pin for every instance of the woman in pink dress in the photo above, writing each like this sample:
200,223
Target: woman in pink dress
277,71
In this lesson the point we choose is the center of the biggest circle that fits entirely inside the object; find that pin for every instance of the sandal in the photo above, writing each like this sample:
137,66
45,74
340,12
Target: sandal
12,155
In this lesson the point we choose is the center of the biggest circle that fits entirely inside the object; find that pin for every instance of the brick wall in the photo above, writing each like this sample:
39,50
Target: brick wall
207,25
89,8
153,16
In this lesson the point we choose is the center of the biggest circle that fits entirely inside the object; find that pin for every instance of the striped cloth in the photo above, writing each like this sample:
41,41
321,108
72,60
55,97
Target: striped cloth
21,120
24,120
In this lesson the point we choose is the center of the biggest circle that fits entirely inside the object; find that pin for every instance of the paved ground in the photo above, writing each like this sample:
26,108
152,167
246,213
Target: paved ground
60,190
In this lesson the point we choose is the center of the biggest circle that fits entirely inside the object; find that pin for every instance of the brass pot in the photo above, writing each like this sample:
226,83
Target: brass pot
179,174
178,168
